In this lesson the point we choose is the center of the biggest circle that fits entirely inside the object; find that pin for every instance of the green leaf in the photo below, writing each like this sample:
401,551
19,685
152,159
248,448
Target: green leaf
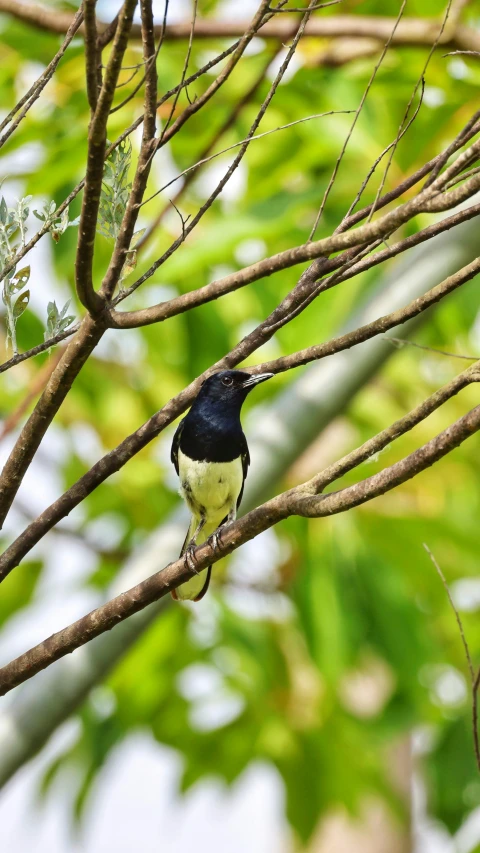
20,279
21,304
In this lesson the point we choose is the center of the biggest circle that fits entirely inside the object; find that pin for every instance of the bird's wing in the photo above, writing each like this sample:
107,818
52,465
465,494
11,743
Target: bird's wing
176,444
245,463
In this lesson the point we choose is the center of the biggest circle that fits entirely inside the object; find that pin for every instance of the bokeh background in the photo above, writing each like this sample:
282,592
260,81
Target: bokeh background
318,699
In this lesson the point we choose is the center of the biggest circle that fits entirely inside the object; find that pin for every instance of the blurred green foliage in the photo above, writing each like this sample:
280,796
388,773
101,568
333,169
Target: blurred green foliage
358,605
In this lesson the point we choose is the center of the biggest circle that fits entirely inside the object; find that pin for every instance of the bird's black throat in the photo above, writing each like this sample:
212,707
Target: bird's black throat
212,432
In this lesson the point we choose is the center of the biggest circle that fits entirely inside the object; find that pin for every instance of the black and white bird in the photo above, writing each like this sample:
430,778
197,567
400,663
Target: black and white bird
211,457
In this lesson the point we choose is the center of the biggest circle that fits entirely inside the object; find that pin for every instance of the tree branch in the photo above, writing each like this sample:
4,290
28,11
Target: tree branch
58,386
89,298
313,399
377,327
292,502
413,32
35,91
144,161
91,53
131,445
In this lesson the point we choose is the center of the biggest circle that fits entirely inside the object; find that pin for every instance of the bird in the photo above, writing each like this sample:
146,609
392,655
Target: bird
211,458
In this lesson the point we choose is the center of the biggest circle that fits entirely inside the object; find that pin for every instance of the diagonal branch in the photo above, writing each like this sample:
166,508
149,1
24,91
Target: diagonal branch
292,502
124,135
27,101
135,442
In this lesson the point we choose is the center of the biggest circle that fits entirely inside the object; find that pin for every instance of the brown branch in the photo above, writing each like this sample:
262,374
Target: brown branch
91,53
241,278
207,150
90,332
146,64
96,154
11,422
269,266
46,345
314,250
144,161
292,502
379,442
183,74
376,327
355,119
248,33
37,424
420,83
126,133
37,88
207,159
186,230
135,442
413,32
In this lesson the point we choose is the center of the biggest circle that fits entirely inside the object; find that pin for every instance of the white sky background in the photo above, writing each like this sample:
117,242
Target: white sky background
133,803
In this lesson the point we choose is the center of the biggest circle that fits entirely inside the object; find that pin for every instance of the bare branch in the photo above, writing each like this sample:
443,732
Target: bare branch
35,91
376,327
401,342
244,146
96,155
227,124
46,345
357,114
268,266
126,133
151,59
292,502
248,139
91,53
413,32
144,162
136,441
58,386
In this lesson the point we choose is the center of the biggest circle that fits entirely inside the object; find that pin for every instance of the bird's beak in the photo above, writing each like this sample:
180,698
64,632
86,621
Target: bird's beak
255,380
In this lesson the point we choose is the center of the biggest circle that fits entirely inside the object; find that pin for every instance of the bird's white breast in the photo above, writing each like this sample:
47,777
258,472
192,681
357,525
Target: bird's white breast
210,488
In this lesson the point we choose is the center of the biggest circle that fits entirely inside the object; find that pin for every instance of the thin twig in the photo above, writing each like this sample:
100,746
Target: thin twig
242,142
474,677
402,131
420,82
46,345
145,64
401,342
357,114
244,146
35,91
184,72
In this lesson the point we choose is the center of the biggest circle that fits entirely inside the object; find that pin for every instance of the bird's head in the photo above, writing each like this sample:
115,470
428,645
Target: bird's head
231,385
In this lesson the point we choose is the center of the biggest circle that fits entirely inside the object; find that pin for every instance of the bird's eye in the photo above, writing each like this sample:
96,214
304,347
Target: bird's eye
227,380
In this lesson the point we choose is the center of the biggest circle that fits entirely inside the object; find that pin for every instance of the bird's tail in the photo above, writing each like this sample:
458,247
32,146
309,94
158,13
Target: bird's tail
196,587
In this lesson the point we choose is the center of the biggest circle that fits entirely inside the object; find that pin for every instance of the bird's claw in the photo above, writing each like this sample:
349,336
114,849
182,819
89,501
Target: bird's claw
190,561
216,541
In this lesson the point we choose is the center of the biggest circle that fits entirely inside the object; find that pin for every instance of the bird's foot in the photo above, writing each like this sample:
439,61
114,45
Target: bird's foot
215,541
189,558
